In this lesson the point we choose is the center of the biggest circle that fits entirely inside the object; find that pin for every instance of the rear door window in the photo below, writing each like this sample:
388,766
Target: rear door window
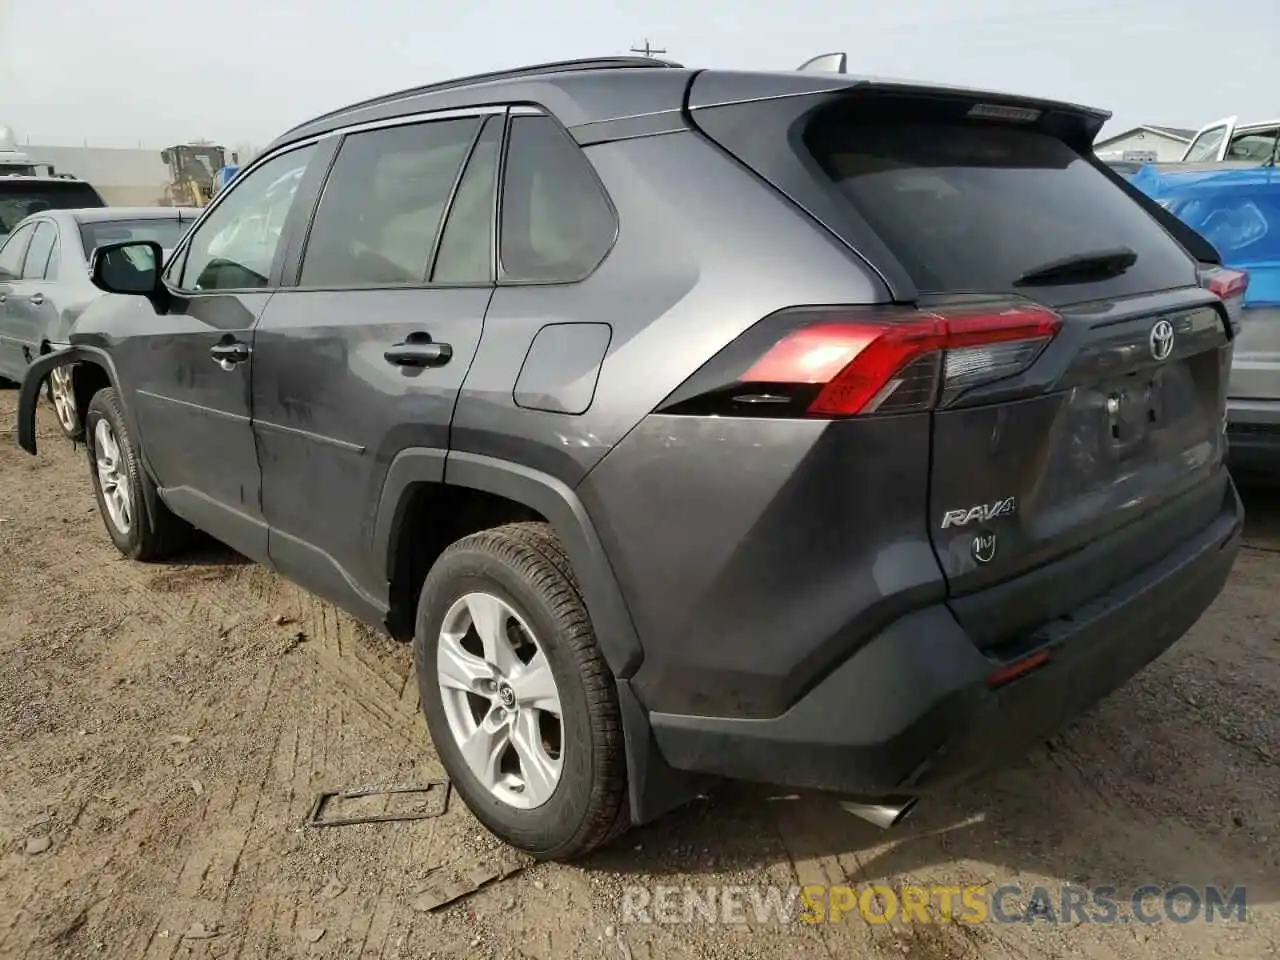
382,205
42,243
466,246
11,255
974,207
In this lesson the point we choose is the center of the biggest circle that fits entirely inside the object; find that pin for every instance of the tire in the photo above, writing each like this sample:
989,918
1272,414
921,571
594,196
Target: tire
524,570
144,536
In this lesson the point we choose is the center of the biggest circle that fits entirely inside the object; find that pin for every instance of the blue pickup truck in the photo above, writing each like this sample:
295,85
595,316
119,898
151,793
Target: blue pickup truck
1227,187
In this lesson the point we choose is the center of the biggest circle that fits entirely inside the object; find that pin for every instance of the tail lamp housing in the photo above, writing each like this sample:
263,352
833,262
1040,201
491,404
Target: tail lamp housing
1230,287
834,362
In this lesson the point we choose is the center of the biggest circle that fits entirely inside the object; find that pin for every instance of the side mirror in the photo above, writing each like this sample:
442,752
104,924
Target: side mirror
132,267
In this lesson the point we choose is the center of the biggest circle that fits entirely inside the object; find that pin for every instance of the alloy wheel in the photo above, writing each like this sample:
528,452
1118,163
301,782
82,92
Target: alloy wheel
113,477
501,700
63,397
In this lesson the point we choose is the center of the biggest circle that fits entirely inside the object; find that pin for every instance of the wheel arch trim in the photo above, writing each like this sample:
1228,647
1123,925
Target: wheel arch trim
653,786
29,398
615,631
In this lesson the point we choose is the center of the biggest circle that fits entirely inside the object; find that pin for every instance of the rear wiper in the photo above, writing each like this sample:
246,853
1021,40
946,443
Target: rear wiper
1099,263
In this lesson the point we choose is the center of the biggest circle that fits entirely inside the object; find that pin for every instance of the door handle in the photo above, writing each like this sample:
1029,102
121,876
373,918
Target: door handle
419,350
37,298
227,355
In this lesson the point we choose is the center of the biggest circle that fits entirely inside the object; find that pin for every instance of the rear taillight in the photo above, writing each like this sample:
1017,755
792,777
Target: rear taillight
855,361
1230,287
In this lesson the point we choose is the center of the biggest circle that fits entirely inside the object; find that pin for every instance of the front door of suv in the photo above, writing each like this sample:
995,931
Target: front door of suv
364,356
188,369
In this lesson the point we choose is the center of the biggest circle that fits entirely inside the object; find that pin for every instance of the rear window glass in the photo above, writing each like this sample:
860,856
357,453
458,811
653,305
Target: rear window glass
19,199
167,233
974,207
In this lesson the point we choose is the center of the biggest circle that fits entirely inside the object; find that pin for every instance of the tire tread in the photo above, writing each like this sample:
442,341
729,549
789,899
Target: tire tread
534,552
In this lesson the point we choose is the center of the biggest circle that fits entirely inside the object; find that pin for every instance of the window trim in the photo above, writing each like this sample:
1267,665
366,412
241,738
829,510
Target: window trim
22,264
294,273
273,280
26,254
501,279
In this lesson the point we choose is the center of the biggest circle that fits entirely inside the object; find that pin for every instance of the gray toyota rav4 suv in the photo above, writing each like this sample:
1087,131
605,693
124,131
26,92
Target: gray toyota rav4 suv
790,427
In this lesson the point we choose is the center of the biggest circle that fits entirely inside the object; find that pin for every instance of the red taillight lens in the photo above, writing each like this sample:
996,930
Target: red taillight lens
1230,287
858,361
1228,284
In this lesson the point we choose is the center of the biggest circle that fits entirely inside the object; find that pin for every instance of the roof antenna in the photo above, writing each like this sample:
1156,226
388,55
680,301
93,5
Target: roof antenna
647,50
826,63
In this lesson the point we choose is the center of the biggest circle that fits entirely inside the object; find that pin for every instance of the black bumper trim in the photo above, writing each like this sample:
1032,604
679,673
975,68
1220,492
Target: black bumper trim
911,711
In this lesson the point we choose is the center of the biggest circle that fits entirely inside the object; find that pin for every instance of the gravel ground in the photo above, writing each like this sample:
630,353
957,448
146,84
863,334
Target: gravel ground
164,731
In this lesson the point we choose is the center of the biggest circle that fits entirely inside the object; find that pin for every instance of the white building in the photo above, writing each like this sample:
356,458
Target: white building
1148,143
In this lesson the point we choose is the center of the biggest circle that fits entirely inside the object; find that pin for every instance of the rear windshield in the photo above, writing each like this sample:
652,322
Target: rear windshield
167,233
974,207
20,199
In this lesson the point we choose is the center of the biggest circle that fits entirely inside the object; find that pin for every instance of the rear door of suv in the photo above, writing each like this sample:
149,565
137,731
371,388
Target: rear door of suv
363,352
1075,367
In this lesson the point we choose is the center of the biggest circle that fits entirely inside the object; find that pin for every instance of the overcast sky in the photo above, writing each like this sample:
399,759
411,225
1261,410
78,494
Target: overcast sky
240,71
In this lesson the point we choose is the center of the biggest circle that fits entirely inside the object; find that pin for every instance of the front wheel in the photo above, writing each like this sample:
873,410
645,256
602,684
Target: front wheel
519,701
122,487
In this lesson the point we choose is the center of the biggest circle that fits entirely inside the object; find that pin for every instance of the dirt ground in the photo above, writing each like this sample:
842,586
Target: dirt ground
164,730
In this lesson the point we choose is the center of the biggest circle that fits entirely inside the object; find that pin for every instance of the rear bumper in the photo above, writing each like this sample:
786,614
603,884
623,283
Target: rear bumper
911,710
1253,436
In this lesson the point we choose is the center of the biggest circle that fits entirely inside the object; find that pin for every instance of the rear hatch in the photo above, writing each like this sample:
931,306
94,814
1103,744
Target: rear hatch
22,196
1097,403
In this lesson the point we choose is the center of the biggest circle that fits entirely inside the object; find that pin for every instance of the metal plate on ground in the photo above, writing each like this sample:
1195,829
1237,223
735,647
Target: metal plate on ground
385,803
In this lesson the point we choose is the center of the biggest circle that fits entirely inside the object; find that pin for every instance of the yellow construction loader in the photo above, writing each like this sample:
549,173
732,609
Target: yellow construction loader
193,168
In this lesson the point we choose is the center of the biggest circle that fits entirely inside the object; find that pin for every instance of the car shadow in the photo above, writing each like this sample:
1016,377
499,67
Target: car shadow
1045,821
1261,512
205,551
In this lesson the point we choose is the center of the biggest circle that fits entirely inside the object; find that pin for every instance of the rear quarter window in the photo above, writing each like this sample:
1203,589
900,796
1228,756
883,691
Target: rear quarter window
970,207
557,223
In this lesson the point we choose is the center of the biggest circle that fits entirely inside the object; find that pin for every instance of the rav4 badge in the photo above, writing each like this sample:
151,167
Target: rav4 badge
984,512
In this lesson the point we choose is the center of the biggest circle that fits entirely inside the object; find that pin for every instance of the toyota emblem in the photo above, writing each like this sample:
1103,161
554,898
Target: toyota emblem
1162,340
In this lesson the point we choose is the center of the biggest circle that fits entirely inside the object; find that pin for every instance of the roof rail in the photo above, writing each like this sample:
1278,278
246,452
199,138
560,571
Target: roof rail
535,70
826,63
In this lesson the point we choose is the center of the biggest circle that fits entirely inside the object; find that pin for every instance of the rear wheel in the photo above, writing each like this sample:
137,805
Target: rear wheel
122,486
62,396
519,701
